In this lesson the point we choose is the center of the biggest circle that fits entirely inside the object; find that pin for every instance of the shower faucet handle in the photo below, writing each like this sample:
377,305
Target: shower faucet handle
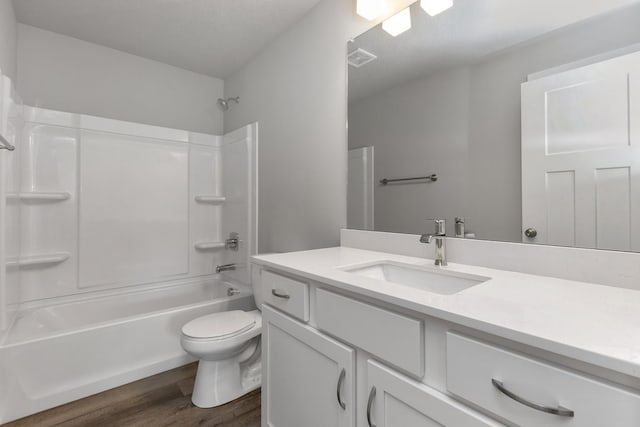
233,242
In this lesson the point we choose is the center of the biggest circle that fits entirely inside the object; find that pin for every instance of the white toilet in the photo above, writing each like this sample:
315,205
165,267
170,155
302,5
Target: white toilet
228,347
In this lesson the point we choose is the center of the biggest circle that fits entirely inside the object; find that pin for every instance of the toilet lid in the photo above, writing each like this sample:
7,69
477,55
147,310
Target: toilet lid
219,325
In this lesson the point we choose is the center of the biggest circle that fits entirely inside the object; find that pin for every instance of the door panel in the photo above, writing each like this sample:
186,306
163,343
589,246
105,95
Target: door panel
613,227
561,208
576,121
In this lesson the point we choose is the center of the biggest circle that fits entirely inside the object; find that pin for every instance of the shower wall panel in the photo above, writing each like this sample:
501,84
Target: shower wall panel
240,173
134,210
10,212
205,218
49,210
108,204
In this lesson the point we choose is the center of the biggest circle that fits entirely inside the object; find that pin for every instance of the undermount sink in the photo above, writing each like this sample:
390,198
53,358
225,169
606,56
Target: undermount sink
424,278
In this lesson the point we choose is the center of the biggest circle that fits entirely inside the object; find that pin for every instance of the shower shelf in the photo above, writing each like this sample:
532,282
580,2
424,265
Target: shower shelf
35,196
210,199
203,246
44,259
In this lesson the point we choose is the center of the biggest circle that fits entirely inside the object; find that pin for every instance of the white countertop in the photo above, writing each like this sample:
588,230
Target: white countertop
591,323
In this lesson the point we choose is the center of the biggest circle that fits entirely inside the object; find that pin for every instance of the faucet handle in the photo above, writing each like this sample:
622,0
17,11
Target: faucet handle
440,224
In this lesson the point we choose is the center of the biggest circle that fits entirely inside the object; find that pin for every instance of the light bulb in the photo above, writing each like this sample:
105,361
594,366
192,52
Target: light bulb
369,9
398,23
434,7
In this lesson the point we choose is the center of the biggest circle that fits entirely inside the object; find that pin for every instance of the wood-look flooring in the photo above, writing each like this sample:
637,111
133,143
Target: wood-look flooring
158,401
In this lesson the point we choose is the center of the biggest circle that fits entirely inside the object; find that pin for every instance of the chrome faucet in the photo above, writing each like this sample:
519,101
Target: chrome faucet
460,227
439,236
225,267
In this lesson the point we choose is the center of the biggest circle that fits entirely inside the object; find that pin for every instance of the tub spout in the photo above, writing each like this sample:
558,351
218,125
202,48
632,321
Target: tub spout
225,267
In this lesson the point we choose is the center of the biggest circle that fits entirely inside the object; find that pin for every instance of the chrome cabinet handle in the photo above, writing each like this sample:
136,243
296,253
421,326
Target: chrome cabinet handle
372,395
560,411
343,373
279,294
531,233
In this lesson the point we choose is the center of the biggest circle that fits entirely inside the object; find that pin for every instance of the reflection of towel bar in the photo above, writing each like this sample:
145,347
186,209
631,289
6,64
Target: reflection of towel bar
432,178
210,199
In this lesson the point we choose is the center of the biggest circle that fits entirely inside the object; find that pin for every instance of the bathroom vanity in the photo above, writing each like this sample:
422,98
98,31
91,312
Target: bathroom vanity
490,120
354,337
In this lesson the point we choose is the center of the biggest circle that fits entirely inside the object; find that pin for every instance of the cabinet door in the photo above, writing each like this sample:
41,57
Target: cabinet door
395,400
308,377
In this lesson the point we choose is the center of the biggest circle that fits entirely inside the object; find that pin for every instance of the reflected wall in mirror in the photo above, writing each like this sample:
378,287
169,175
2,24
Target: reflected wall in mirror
527,112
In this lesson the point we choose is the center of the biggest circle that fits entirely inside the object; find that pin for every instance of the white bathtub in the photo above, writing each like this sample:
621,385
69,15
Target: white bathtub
59,353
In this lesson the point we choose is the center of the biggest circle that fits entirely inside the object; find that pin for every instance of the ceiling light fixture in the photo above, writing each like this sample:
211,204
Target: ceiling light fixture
434,7
369,9
398,23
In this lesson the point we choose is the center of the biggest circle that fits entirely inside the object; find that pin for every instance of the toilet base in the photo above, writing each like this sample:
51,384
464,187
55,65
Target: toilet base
220,382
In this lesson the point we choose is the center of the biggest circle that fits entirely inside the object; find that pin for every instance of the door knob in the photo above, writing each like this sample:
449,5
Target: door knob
531,233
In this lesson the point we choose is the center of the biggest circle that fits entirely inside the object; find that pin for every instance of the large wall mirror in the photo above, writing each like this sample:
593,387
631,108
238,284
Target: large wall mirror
514,120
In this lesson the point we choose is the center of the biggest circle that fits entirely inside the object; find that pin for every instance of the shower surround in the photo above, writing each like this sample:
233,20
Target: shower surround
111,234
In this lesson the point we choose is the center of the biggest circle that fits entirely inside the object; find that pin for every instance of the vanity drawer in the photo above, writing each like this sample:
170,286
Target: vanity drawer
473,367
286,294
390,336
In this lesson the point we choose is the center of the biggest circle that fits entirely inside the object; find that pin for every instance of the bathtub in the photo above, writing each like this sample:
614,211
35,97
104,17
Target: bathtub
54,354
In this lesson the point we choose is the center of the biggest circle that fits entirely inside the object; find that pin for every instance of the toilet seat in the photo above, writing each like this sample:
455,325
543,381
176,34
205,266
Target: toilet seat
219,326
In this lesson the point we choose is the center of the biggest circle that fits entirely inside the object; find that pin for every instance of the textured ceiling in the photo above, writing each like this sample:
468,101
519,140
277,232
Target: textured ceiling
469,31
213,37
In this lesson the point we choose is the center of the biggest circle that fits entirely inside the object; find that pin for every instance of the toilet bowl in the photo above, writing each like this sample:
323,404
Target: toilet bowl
227,345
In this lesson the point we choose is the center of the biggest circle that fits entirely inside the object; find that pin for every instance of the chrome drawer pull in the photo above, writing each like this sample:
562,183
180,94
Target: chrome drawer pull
563,412
372,395
343,373
279,294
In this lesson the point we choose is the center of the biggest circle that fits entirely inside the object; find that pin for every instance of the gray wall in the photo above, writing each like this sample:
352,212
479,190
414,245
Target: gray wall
407,125
296,89
417,129
64,73
8,39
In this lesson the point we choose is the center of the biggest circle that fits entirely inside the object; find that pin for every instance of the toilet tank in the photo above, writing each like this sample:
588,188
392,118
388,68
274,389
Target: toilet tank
256,283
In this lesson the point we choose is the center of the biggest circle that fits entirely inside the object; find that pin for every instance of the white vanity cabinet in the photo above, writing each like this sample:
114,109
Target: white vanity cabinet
286,294
362,362
308,378
397,401
529,392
